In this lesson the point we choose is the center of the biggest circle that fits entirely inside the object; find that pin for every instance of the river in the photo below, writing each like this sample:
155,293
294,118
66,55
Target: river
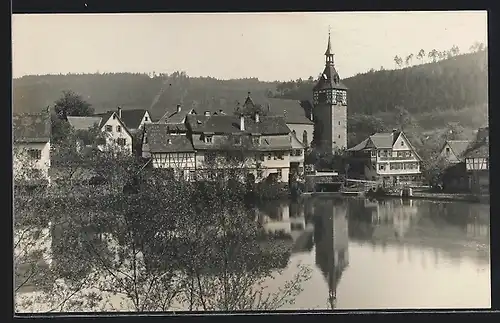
386,254
391,254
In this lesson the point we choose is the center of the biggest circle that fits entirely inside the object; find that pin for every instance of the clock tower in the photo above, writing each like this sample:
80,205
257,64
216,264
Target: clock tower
330,107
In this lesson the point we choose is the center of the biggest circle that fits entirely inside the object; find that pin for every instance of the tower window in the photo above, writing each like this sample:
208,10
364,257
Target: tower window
304,138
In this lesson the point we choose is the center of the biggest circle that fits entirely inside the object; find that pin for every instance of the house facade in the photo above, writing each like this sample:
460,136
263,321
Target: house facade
453,150
31,147
477,162
116,133
168,149
260,144
388,157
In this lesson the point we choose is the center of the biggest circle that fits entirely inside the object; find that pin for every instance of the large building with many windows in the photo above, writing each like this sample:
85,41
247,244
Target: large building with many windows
387,157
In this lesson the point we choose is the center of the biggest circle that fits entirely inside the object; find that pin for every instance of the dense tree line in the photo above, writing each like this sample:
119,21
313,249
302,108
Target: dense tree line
156,92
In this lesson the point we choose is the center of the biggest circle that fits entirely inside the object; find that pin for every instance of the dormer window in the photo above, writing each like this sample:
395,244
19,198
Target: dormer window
169,141
208,139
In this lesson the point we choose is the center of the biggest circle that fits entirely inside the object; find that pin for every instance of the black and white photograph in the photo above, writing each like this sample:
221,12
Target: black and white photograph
250,161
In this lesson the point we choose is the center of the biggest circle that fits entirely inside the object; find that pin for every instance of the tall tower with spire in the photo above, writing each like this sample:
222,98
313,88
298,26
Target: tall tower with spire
330,107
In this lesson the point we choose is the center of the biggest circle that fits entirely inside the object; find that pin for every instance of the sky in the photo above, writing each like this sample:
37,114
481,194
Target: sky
269,46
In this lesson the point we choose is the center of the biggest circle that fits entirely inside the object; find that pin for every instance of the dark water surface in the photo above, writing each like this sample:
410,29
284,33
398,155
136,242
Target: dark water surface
386,254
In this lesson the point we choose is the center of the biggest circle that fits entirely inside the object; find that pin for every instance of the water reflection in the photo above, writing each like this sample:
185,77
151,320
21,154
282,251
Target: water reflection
412,241
368,253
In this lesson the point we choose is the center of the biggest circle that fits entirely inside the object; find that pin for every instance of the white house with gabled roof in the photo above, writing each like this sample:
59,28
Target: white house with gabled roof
388,157
117,136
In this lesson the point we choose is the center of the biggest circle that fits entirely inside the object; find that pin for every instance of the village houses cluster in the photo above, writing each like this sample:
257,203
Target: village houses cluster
277,134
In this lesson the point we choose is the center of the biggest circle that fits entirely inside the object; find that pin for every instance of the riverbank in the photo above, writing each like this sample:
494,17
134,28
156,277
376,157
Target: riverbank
472,198
416,195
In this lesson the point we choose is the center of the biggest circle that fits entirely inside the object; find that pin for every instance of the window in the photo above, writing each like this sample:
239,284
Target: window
339,136
35,154
447,150
279,173
256,140
169,141
334,97
259,173
145,118
237,140
304,137
339,123
261,157
192,175
208,139
344,98
402,143
109,128
374,153
381,167
118,129
121,141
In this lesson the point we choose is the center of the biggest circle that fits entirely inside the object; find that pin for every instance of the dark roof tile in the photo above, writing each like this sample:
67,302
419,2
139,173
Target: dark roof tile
31,127
161,140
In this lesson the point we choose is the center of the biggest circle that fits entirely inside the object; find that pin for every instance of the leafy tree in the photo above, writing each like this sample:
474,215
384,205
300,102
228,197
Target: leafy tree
72,104
143,239
421,55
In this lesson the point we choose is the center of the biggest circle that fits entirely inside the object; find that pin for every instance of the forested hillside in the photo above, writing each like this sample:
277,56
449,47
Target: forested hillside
157,93
449,88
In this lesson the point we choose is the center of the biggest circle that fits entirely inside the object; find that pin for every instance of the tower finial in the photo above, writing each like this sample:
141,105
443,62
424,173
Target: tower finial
329,53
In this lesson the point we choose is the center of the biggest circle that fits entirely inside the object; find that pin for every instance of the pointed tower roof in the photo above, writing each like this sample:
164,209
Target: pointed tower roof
329,46
330,78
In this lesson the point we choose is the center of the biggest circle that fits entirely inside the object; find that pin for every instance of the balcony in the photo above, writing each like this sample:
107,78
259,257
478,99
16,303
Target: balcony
391,158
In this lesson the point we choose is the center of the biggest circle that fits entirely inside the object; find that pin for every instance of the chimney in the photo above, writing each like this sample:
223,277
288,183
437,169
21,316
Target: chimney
119,112
257,117
178,108
242,123
207,113
394,130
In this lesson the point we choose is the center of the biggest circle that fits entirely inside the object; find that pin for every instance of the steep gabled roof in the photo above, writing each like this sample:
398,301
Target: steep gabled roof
458,146
83,123
230,124
107,115
161,140
104,117
480,147
383,140
132,117
31,127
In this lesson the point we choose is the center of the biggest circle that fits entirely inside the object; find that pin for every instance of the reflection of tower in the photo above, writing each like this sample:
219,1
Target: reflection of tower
331,240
